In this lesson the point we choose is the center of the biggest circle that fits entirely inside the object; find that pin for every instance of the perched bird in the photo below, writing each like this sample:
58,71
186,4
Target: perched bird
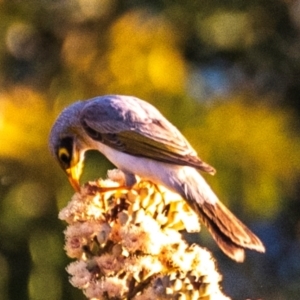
139,140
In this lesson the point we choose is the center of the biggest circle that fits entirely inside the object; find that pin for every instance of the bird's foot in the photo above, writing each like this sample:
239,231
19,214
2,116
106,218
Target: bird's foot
99,188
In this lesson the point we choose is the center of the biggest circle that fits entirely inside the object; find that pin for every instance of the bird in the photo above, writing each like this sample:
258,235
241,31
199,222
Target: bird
135,137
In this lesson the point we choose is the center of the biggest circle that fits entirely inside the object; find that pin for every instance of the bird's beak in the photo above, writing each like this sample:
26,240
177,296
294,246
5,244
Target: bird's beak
74,174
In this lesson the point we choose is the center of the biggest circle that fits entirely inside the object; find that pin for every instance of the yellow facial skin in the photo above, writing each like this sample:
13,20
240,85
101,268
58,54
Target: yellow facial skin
73,166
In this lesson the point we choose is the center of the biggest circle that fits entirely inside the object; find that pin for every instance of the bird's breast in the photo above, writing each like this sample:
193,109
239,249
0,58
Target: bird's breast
184,180
145,168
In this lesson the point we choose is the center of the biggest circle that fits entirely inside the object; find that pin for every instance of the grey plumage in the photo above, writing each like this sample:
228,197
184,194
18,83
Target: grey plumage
134,126
139,140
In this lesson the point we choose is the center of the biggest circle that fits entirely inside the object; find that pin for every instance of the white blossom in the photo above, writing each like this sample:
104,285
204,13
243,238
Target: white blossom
128,245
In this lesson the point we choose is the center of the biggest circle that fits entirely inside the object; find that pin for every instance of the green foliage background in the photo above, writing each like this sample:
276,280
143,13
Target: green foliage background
226,73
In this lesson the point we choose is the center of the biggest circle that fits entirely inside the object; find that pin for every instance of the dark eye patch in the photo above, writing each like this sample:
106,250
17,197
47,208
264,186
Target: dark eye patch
65,152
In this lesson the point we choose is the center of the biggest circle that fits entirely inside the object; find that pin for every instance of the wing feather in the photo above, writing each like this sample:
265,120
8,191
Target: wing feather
137,128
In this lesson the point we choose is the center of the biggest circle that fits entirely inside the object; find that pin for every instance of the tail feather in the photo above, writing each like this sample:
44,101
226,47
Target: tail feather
231,226
231,235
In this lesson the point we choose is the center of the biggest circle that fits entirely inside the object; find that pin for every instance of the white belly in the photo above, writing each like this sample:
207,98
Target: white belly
175,177
143,167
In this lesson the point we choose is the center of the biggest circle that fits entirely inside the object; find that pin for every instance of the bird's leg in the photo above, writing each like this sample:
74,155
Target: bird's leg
125,179
104,189
130,179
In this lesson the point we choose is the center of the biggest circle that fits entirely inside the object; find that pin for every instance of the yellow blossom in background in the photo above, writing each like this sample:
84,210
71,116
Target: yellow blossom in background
219,29
25,119
143,48
128,249
139,54
79,51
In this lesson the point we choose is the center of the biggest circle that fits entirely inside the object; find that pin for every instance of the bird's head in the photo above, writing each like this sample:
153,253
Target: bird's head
68,143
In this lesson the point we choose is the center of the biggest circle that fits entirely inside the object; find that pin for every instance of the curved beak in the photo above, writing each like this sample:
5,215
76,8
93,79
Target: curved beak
74,174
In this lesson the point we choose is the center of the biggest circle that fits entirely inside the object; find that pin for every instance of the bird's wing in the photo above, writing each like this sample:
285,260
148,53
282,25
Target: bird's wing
137,128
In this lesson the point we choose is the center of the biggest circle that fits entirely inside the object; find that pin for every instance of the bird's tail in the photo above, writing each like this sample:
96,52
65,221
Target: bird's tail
231,235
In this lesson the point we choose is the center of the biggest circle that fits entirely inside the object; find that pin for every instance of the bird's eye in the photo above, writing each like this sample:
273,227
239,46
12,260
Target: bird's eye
64,156
65,152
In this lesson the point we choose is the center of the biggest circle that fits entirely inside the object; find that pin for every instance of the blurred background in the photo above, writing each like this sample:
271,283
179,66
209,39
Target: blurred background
226,73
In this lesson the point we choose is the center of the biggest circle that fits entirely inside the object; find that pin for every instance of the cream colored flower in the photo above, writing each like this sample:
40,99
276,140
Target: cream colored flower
128,245
81,277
